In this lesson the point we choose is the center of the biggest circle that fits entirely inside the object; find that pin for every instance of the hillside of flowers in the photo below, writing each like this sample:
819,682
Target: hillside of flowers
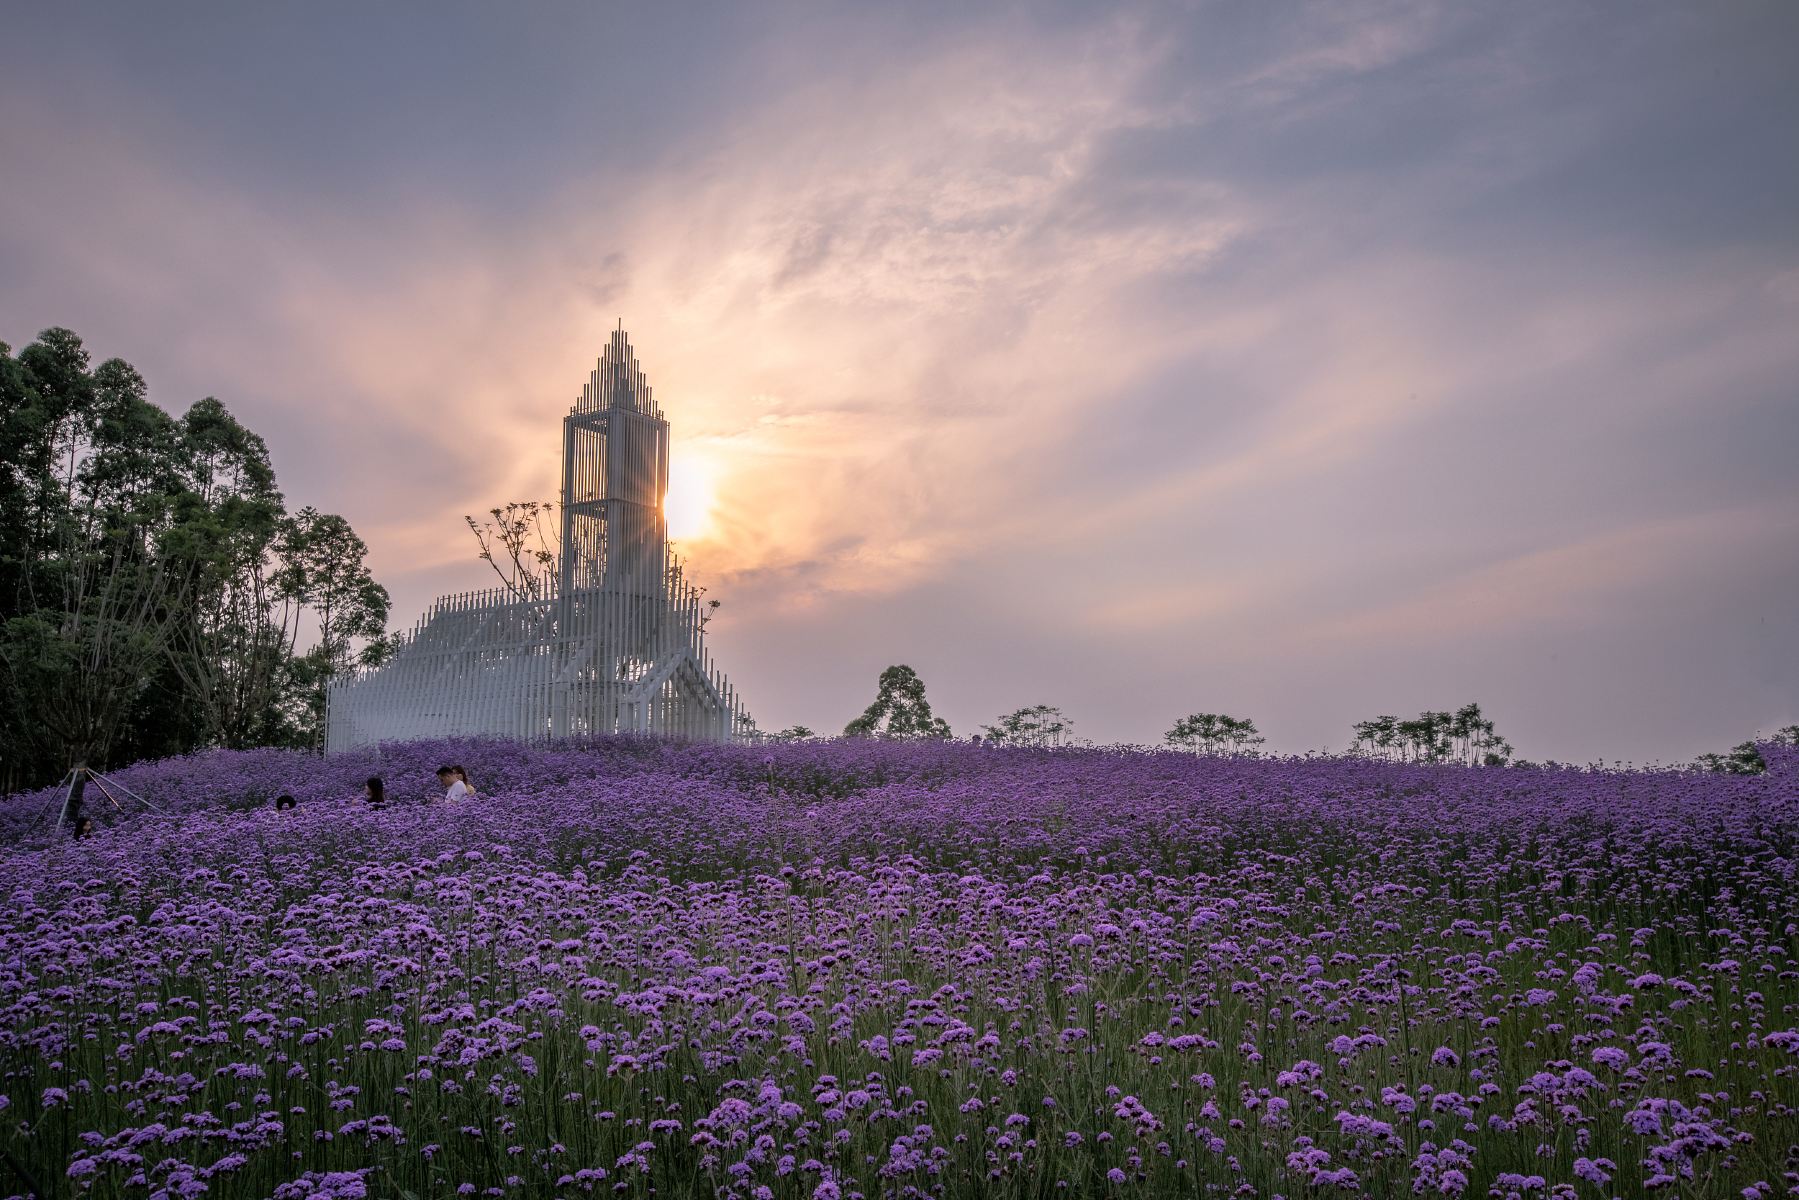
861,969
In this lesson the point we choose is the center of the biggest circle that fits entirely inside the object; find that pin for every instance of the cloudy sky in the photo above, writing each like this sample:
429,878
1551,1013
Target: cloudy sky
1300,362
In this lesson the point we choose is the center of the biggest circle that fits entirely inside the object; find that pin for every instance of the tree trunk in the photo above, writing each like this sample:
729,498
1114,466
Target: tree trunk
71,812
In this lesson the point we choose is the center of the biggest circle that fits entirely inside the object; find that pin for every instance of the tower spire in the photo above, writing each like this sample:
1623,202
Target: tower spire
617,380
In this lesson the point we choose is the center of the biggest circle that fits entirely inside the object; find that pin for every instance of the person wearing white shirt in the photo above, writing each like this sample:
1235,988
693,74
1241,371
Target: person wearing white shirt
454,788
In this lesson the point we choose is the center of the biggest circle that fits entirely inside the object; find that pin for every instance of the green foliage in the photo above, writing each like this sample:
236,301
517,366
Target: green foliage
325,567
1745,758
96,553
1040,726
152,585
899,711
1215,733
1464,736
793,733
1742,759
232,647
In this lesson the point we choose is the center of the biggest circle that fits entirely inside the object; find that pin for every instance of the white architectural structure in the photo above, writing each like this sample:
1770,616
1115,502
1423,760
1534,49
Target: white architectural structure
618,645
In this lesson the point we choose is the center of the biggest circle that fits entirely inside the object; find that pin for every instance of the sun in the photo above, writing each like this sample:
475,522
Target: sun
692,491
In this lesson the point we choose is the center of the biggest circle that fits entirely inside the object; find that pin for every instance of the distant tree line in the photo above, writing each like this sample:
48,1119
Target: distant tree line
1745,758
1464,736
900,711
156,596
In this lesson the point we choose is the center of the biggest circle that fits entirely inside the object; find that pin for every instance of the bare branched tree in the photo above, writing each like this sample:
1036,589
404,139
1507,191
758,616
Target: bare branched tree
521,544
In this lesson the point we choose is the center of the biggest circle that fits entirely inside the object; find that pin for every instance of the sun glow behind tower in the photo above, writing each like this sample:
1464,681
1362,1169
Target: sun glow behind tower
692,496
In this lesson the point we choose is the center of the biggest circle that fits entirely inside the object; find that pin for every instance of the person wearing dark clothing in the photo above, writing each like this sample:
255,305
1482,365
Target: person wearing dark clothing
376,792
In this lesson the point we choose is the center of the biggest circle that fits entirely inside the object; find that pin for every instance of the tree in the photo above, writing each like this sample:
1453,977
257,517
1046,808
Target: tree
1426,737
1040,725
1465,737
325,566
899,711
1378,737
94,564
1214,733
1473,740
152,586
234,647
793,733
1742,759
517,542
1745,758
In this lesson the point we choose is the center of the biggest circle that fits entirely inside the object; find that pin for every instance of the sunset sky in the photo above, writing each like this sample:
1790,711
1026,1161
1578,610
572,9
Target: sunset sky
1298,362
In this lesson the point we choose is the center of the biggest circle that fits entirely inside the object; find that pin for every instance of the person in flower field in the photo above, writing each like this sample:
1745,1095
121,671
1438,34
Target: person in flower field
454,788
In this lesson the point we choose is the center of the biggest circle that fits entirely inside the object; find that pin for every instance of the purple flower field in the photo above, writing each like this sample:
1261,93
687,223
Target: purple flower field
864,969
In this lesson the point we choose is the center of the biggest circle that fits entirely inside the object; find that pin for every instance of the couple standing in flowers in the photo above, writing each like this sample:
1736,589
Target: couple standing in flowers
454,781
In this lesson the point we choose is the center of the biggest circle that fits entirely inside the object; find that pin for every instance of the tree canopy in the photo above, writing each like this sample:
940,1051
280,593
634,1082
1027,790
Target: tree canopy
1214,733
1745,758
1465,736
900,710
153,587
1038,725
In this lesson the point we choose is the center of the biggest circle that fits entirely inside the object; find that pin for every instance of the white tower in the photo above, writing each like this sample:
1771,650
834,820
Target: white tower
618,645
